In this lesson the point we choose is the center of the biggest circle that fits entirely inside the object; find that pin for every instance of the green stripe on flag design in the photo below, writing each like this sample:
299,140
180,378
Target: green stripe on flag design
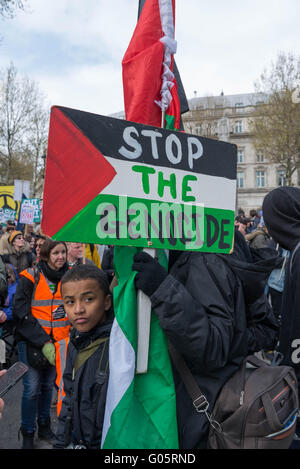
170,122
213,233
142,412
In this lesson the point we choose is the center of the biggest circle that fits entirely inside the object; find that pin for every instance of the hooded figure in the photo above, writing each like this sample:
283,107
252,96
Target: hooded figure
281,209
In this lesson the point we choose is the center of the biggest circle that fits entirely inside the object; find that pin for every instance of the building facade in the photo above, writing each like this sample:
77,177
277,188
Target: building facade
226,118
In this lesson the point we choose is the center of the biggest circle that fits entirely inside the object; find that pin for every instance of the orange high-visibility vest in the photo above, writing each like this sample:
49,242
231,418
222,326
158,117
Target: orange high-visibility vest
60,362
47,307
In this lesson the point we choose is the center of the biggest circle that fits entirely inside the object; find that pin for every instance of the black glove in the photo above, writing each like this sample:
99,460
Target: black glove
150,273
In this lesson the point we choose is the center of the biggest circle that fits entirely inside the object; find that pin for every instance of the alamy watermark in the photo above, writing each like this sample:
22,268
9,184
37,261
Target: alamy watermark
151,220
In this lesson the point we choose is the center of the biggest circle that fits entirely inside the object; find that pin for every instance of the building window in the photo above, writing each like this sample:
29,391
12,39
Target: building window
198,130
240,155
260,156
223,126
260,179
240,179
239,107
281,177
238,127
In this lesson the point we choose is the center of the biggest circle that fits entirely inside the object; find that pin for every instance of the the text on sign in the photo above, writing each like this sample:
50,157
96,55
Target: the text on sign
172,147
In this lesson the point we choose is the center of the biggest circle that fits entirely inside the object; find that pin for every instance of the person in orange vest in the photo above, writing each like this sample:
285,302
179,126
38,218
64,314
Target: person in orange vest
41,321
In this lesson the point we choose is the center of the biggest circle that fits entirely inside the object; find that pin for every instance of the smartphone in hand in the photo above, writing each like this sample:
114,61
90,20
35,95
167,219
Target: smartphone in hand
11,377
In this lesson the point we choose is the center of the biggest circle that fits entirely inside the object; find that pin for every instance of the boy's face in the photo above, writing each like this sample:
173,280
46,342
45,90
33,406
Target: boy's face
85,303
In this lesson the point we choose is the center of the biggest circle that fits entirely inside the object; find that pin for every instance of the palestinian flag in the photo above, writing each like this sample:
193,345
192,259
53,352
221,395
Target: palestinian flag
110,181
148,80
140,408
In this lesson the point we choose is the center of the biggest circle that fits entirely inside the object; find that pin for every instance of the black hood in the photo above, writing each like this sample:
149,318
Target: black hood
252,271
281,212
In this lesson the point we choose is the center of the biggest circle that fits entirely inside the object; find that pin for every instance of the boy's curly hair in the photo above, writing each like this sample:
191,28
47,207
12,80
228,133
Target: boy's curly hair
84,272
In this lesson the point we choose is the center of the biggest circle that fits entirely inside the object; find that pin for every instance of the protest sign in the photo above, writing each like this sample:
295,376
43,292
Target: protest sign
30,211
8,206
129,184
21,188
7,214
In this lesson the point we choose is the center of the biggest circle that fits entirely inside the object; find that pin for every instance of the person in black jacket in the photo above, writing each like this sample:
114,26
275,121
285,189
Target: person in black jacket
87,302
202,308
281,211
206,328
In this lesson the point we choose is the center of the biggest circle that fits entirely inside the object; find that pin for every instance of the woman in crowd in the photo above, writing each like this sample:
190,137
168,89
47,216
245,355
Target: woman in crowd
38,244
16,251
40,322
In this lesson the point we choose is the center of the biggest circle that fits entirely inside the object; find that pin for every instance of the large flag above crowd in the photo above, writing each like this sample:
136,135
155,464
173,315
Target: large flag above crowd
148,80
141,409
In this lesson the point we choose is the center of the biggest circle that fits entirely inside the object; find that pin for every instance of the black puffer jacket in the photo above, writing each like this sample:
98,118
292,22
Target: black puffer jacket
206,328
281,209
81,417
201,307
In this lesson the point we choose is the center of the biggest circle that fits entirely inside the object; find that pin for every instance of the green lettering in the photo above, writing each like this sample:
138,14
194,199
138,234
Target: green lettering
162,183
145,170
186,188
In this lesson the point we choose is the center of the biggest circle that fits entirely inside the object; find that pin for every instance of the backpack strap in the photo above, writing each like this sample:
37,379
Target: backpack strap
199,400
198,397
87,352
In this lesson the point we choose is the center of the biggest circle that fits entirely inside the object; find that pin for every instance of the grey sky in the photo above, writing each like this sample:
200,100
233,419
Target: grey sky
74,48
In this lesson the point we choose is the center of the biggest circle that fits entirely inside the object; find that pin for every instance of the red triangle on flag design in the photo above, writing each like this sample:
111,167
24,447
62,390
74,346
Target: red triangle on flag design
76,172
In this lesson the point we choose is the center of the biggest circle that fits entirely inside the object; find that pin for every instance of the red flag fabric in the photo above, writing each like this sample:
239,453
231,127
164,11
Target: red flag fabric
145,63
68,149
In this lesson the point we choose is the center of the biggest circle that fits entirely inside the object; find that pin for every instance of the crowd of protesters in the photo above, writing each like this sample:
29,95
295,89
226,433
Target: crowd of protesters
216,310
33,266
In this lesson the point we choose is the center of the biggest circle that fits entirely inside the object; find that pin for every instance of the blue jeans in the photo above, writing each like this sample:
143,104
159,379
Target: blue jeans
37,393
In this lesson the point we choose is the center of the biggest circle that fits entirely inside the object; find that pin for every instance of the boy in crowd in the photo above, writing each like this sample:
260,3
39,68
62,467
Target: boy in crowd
87,302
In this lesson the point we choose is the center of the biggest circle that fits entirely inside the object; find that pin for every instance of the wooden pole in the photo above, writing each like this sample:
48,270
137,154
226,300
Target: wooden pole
144,316
84,257
143,326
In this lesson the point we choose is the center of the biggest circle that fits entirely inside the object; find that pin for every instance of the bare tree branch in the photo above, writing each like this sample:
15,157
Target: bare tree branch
275,124
8,8
23,124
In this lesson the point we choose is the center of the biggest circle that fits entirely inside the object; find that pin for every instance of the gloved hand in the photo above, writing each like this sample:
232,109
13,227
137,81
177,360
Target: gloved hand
48,351
150,273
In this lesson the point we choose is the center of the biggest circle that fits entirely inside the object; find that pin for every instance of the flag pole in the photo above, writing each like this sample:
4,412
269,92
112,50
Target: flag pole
144,315
143,325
